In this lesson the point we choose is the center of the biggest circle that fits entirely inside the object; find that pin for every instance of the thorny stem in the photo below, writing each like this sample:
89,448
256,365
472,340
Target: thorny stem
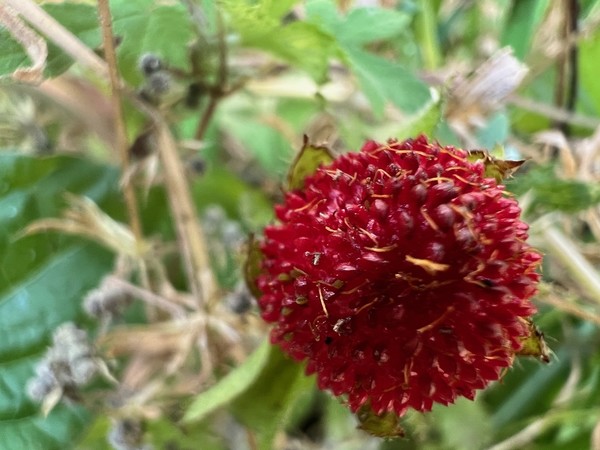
121,134
215,94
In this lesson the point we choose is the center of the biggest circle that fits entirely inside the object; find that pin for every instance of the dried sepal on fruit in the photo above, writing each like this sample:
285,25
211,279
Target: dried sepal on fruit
308,160
496,168
401,275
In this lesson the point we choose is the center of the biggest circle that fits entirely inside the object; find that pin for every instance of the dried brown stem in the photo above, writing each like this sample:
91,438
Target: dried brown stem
121,134
217,93
554,113
191,239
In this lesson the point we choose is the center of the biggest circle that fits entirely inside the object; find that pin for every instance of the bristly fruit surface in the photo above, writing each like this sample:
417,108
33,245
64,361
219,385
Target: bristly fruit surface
401,274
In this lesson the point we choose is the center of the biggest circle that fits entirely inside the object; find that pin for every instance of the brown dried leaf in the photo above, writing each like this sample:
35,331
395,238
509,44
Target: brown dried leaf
83,217
494,167
487,89
34,45
535,345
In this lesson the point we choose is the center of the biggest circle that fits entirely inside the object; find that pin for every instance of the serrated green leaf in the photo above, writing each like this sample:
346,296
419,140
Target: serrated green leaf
310,158
144,26
382,80
361,25
231,386
299,43
41,285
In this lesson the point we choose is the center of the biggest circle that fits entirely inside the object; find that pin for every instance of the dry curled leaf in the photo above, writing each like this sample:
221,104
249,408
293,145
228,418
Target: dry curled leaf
472,98
33,43
84,218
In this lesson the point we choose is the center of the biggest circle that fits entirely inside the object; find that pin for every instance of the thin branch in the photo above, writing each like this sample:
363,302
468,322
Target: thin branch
567,78
555,113
149,297
566,252
216,93
121,134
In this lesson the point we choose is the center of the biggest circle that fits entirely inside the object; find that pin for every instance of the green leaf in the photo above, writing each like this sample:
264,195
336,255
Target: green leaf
299,43
231,386
267,405
79,19
589,55
524,18
145,27
267,144
382,80
451,421
12,56
41,285
553,193
360,26
310,158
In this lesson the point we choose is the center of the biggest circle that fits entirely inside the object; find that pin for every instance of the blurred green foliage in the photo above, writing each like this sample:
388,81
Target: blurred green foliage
289,65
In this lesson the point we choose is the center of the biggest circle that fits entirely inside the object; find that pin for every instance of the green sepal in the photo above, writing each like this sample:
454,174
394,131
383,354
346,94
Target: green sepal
310,158
534,344
253,265
496,168
385,425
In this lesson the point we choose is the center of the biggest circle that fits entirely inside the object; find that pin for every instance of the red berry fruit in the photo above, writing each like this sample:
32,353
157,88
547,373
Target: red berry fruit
401,274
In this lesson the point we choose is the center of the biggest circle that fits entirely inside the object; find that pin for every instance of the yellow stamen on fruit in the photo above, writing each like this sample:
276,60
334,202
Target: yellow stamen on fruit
429,266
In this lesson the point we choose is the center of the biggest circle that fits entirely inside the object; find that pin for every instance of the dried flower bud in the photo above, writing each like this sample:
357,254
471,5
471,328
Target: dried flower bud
240,300
127,434
109,300
149,63
67,364
43,384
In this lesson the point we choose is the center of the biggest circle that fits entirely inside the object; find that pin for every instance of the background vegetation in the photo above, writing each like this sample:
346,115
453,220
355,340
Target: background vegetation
200,116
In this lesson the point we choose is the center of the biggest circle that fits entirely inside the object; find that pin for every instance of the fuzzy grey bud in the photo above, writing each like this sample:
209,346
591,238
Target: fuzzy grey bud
149,63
